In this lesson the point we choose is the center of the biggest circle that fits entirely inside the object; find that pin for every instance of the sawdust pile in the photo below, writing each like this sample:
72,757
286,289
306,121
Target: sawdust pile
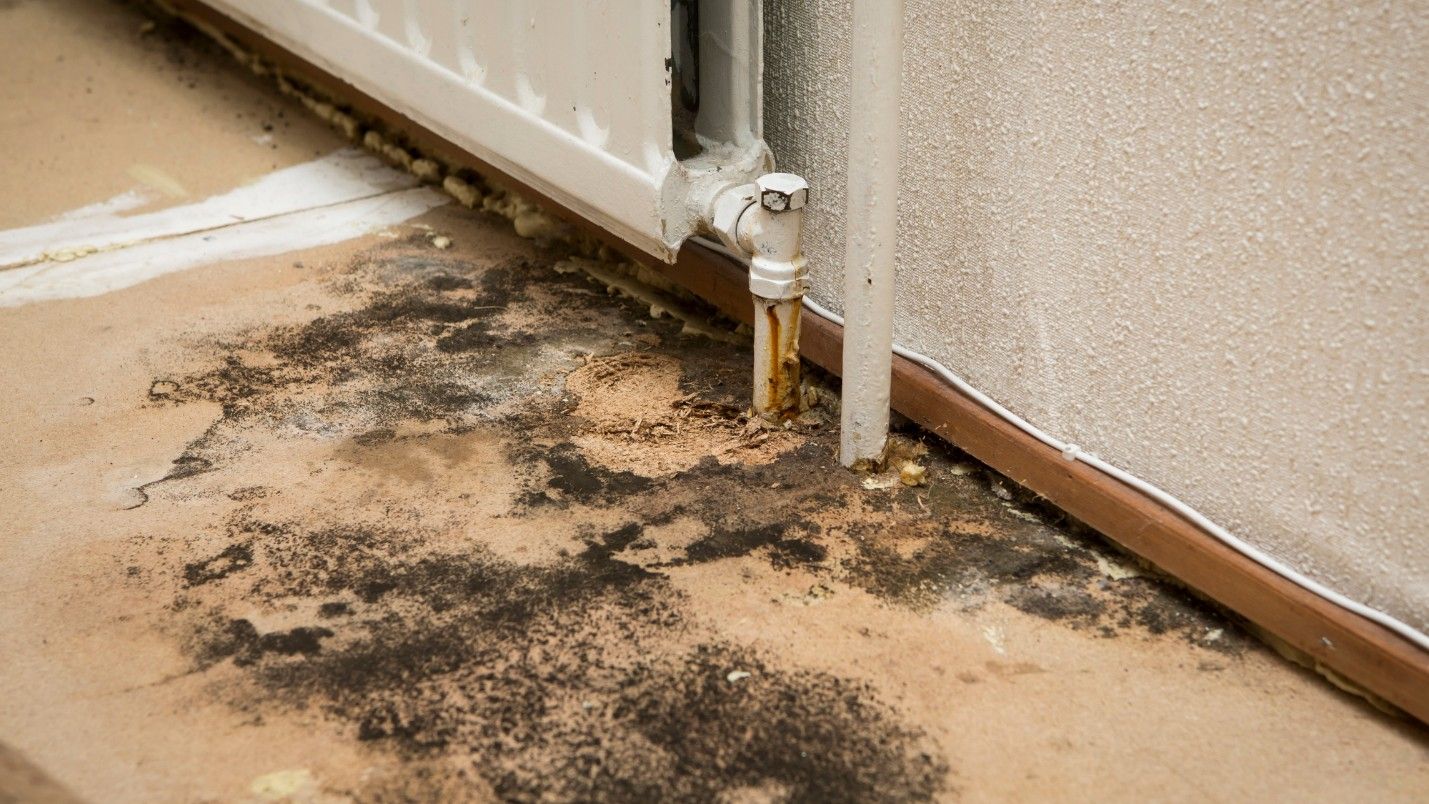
642,421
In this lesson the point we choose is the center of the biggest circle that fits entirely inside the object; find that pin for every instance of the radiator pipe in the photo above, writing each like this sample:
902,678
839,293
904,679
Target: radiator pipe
871,229
765,222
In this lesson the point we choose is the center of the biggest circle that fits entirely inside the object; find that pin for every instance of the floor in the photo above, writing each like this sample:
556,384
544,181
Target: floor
427,512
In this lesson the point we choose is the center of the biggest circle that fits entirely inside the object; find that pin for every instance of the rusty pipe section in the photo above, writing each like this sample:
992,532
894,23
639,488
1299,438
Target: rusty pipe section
765,221
776,356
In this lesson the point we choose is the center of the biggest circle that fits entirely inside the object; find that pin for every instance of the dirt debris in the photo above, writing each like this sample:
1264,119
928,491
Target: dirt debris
642,421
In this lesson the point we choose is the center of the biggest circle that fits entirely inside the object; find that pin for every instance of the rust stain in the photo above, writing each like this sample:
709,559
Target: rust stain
789,367
781,380
775,372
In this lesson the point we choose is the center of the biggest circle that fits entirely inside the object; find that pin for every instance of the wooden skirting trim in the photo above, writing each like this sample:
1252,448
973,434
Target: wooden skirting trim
1367,654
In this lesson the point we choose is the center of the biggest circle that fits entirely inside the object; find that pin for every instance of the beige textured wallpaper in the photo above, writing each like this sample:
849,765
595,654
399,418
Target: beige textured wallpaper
1189,236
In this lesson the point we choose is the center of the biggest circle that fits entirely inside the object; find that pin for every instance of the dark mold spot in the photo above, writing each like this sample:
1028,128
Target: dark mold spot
184,466
373,437
611,543
731,542
1162,611
584,678
471,337
948,559
1058,603
414,307
477,336
423,348
163,389
560,682
318,341
239,640
578,480
235,385
773,730
335,608
303,640
444,282
1033,570
787,553
234,558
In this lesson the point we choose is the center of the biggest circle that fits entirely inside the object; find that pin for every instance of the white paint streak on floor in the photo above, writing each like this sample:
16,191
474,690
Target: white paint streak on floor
112,270
95,250
345,175
109,208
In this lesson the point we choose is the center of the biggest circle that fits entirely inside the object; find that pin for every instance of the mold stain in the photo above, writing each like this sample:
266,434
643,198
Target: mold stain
233,558
586,676
1034,568
569,681
580,679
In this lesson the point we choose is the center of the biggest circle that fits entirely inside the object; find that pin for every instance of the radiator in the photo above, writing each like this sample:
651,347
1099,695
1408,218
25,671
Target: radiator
587,102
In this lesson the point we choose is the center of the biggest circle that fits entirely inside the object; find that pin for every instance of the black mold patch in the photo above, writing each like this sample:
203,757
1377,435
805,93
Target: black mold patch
582,679
950,559
163,389
239,639
1030,569
334,608
787,553
559,682
376,436
578,480
735,541
235,385
611,543
303,640
319,341
730,542
1057,603
426,347
775,731
184,466
1161,611
234,558
442,282
478,336
415,306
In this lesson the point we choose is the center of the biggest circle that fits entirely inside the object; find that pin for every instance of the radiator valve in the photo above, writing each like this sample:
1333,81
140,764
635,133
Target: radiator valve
765,221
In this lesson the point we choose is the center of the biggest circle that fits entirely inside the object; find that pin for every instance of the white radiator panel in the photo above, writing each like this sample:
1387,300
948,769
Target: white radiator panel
569,96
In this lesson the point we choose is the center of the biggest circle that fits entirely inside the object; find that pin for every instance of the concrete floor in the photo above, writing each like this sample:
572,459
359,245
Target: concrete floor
382,520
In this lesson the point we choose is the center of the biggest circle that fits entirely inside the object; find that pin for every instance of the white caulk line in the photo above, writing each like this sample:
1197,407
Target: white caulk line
113,270
345,175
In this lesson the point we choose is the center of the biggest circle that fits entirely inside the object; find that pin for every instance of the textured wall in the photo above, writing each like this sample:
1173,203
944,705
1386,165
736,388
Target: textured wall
1190,237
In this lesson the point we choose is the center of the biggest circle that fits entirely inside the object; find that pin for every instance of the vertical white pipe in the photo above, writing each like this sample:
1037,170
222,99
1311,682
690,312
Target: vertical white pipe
872,227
